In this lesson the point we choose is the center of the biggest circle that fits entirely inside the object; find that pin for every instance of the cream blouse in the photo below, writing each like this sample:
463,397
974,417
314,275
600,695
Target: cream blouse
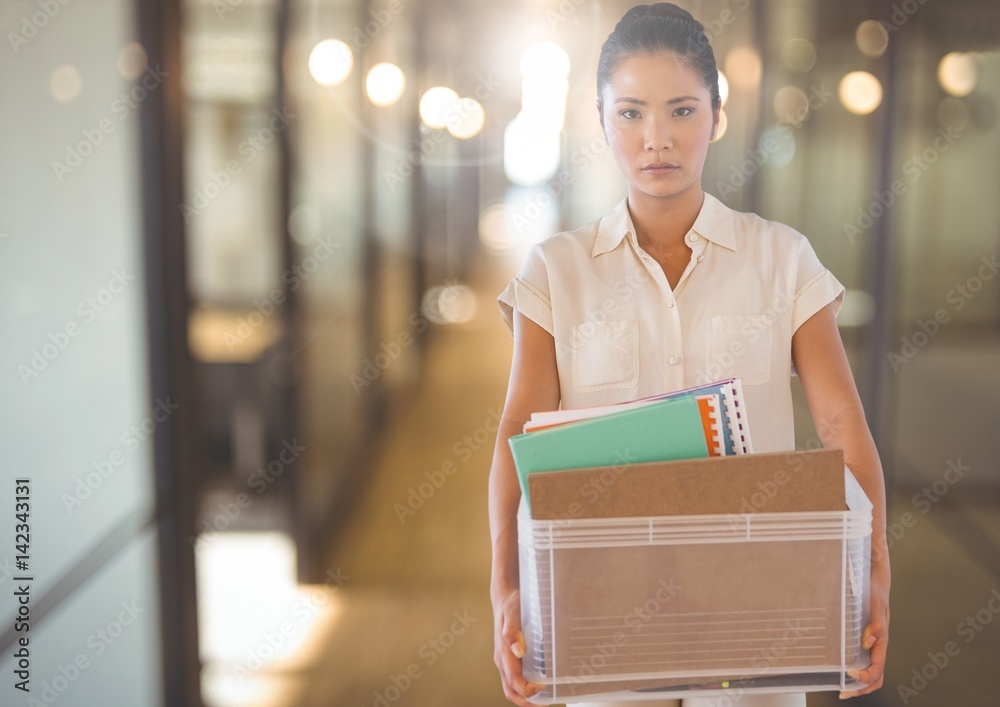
622,333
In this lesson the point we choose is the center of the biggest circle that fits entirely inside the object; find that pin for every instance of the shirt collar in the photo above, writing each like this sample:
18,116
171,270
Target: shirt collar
714,222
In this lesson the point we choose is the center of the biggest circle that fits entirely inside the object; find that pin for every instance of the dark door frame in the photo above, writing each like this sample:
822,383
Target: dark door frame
170,366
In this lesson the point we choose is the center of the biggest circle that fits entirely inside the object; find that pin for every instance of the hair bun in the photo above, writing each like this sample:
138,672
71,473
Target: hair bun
661,9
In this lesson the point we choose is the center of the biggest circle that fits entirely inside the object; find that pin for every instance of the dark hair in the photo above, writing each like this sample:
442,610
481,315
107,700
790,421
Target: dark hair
661,27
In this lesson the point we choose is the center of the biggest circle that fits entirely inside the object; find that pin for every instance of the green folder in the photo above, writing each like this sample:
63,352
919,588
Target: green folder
662,431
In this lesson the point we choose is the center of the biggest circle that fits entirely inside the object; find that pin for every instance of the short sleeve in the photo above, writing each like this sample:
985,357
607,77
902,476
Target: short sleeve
528,293
815,287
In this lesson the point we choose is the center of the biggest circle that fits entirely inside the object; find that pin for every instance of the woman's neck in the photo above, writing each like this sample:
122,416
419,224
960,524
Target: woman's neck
662,222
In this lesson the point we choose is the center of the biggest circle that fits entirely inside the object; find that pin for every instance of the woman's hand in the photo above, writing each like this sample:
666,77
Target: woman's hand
509,647
875,637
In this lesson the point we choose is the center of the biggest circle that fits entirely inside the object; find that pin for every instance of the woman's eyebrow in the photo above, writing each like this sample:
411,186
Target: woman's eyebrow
639,101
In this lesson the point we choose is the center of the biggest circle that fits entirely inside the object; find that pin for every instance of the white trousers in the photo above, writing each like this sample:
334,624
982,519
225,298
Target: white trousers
786,699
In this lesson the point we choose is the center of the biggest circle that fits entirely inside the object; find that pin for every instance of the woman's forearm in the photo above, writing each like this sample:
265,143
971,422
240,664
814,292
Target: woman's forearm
504,497
850,432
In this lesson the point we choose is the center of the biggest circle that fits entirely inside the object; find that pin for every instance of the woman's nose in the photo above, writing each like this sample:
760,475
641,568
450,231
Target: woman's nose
658,135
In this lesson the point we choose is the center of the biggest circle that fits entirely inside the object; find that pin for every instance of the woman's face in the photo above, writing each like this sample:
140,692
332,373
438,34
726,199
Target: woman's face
658,119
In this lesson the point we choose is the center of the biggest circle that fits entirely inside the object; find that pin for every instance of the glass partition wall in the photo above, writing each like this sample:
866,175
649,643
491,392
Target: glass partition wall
90,415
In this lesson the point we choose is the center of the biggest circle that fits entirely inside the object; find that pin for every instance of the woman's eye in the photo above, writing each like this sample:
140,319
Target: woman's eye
684,108
630,114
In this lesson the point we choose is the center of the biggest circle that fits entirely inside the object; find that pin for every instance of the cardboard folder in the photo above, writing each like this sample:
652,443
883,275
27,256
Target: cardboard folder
772,482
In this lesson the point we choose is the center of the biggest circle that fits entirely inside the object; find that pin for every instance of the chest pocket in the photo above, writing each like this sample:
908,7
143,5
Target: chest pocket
740,346
605,355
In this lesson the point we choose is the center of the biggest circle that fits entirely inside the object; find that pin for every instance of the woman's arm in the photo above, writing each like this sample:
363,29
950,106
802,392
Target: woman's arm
836,409
533,387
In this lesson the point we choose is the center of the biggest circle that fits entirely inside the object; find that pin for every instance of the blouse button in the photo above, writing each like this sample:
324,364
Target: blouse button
674,360
692,238
700,258
670,303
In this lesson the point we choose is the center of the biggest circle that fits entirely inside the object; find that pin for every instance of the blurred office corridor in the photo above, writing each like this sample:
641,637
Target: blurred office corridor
252,362
405,588
419,567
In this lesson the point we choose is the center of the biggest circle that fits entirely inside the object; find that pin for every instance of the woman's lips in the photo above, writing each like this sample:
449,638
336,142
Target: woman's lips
660,168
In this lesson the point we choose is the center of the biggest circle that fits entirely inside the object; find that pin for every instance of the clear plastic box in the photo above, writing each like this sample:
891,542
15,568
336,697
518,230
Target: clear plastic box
710,605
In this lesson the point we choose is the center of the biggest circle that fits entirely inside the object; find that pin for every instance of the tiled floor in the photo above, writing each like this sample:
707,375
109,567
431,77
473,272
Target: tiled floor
414,625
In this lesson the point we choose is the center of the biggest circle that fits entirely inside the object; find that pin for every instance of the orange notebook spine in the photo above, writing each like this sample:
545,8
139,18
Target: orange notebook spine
709,421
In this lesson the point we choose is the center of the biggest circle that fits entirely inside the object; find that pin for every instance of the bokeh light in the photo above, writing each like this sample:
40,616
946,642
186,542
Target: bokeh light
384,84
530,152
496,228
449,304
957,74
798,55
437,105
531,149
743,68
65,83
330,62
467,118
723,124
132,61
871,38
860,92
545,69
546,58
791,104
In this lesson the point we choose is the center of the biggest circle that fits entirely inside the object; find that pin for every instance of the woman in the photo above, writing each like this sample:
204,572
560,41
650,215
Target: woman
672,289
